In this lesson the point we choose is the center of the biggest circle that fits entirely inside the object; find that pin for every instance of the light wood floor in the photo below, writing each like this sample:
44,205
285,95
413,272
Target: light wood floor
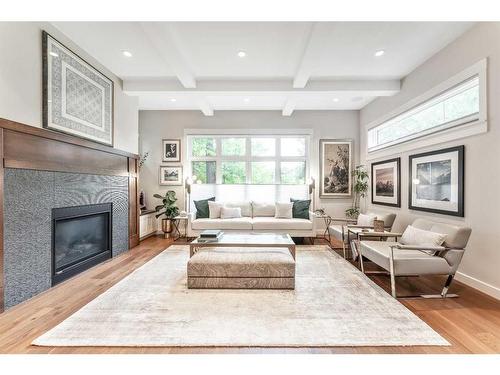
471,323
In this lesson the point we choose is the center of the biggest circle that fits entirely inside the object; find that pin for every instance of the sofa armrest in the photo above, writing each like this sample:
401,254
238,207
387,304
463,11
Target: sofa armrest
312,217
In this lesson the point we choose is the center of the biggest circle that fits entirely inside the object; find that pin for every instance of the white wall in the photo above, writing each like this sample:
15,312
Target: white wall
21,81
480,266
155,125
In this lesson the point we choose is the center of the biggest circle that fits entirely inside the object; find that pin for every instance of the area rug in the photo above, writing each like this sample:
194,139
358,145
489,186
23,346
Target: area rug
334,304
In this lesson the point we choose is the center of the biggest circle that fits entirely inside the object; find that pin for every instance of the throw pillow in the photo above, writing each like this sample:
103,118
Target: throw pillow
300,209
202,211
416,236
283,210
366,220
214,209
230,212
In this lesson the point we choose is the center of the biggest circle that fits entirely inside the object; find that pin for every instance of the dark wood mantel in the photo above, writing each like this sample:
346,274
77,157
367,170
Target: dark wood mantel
27,147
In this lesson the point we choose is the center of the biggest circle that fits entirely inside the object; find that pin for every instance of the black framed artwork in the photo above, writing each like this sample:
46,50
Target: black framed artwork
171,150
386,182
436,181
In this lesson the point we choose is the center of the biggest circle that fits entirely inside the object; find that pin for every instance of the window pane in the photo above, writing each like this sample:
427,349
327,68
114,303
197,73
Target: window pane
203,147
263,172
204,171
293,147
293,172
263,146
233,146
233,172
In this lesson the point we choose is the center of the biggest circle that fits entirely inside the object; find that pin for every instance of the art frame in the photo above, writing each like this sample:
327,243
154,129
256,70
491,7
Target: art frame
442,172
170,175
386,182
77,98
171,150
336,155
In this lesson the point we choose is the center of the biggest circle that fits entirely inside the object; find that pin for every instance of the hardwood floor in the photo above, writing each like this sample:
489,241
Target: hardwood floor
471,323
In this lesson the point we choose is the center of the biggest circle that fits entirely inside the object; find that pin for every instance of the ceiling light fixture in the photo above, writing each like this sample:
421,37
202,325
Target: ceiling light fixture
242,53
173,100
53,54
246,100
127,53
335,100
379,53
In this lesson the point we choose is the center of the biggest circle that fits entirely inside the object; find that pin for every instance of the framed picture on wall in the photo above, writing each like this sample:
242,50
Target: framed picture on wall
436,181
77,98
170,175
386,182
335,163
171,150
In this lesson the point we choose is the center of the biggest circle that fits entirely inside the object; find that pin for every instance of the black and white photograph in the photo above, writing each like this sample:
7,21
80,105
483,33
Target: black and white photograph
77,98
436,181
171,150
170,175
386,182
335,168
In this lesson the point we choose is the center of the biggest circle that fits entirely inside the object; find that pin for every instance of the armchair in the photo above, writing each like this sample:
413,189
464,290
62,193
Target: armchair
414,260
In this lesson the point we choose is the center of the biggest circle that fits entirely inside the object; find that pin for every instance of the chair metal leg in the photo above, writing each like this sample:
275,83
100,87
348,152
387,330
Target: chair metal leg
343,248
444,292
391,270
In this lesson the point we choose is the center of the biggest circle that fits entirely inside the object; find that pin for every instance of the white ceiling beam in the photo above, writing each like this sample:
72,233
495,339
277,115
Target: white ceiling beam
206,108
167,47
303,72
290,105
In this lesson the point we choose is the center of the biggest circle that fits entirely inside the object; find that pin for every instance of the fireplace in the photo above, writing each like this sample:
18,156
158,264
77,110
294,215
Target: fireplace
81,238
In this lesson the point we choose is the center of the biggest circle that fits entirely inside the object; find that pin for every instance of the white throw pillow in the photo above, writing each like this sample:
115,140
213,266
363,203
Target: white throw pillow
246,207
230,212
263,209
283,210
415,236
366,219
214,209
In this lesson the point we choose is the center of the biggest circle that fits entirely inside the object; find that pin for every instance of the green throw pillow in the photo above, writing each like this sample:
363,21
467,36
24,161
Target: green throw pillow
202,208
300,208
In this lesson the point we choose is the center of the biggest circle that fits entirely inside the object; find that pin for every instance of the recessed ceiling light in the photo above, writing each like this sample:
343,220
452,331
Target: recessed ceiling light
173,100
242,53
53,54
246,100
379,53
127,53
335,100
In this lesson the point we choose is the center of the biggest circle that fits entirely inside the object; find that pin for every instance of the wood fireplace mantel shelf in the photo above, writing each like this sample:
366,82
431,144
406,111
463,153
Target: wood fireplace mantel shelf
27,147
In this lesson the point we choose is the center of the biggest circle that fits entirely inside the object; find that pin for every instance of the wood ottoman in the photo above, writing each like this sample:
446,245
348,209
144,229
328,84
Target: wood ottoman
241,268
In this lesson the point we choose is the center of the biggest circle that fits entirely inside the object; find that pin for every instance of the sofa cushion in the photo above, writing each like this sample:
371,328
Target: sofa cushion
242,223
300,209
271,223
263,209
246,207
230,212
201,205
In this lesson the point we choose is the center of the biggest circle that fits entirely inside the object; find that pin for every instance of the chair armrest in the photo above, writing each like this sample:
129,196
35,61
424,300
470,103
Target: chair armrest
360,226
344,220
191,217
420,248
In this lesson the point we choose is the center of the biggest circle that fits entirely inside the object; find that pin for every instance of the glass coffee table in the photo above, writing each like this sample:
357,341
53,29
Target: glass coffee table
246,240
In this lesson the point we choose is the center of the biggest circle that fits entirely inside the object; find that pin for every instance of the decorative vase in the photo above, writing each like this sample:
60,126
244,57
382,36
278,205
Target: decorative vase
166,227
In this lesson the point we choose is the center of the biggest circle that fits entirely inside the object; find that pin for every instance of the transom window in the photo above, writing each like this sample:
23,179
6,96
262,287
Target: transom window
455,106
249,159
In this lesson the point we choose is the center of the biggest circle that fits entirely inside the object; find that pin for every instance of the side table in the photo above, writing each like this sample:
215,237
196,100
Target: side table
328,220
177,223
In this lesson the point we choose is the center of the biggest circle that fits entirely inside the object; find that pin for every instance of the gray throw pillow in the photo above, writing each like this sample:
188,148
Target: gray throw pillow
300,208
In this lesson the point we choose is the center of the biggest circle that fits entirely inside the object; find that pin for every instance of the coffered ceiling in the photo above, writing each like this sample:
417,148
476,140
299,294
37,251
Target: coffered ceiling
285,66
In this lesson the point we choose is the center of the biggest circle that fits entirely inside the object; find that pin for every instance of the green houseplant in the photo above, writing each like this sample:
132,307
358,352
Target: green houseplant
167,208
360,188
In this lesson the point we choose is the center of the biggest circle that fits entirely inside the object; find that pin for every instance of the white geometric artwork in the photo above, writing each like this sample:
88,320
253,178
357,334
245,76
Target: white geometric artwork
77,98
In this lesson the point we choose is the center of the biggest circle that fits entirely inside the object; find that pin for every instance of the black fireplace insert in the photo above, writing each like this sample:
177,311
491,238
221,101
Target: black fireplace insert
81,238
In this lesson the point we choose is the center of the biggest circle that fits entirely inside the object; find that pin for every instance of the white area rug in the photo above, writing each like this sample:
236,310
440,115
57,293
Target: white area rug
333,304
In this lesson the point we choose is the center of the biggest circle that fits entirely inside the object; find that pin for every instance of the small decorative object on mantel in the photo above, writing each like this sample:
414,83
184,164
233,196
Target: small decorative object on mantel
386,182
170,176
171,150
436,181
169,209
360,187
77,98
335,168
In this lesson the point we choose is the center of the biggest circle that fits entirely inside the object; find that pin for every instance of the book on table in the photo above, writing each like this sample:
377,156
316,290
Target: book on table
211,233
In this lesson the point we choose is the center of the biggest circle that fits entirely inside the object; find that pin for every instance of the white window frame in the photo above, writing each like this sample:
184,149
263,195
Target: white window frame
460,128
248,158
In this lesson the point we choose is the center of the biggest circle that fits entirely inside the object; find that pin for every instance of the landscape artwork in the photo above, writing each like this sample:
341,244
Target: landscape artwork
336,168
436,181
171,149
170,175
386,181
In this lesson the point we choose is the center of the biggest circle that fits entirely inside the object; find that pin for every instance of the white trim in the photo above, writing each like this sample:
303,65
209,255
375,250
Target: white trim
203,131
433,136
489,289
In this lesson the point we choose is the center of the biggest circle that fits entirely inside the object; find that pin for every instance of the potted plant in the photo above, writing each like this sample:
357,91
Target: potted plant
167,208
360,188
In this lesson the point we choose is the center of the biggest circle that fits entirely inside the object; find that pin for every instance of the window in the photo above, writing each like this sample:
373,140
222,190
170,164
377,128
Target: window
249,159
452,107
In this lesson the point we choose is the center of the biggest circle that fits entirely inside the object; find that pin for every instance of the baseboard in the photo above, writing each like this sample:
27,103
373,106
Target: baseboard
486,288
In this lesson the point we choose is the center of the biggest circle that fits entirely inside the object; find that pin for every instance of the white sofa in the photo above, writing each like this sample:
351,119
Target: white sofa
257,217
